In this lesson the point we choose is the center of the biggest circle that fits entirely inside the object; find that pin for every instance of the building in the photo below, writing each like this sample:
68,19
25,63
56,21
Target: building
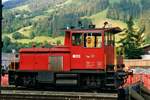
8,58
147,52
144,62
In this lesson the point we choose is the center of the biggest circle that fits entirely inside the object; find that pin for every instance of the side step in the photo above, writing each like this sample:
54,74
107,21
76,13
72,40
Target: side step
110,80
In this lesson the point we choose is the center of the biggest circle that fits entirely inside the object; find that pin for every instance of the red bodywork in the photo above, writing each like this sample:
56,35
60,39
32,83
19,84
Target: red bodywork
37,59
69,57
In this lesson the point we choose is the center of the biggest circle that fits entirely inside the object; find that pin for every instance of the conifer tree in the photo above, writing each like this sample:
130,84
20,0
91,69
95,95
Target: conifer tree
132,41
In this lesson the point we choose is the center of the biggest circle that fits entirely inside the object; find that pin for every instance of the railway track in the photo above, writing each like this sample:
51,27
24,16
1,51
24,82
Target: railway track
53,95
58,89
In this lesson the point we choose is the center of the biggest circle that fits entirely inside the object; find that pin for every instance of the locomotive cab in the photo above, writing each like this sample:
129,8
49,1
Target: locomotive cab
91,49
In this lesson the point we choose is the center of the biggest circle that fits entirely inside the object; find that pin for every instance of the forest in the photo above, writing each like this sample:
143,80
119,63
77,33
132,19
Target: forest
49,17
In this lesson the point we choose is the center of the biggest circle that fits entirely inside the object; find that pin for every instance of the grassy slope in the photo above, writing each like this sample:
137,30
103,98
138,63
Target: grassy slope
98,19
41,39
117,1
26,31
24,7
113,1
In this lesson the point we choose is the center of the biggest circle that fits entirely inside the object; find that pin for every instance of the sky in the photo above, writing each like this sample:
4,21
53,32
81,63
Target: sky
4,1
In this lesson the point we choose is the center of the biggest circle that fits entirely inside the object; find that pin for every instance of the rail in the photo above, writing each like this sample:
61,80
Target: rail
135,91
53,95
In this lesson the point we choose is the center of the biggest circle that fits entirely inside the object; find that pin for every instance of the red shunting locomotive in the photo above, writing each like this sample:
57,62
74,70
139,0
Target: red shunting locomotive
87,60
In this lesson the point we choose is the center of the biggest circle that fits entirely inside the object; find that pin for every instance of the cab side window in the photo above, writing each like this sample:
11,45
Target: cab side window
92,40
76,39
98,41
109,39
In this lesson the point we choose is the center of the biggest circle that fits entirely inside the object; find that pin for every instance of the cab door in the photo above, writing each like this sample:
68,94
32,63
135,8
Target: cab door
109,48
93,50
76,51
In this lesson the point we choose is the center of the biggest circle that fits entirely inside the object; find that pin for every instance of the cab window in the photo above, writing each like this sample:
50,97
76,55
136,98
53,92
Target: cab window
76,39
92,40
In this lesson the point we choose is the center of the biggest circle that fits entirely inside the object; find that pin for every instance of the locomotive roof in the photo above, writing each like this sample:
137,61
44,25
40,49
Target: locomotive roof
45,50
34,50
113,30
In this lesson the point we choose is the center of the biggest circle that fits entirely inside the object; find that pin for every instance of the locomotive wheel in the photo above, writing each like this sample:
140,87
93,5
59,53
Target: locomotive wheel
18,82
29,81
91,81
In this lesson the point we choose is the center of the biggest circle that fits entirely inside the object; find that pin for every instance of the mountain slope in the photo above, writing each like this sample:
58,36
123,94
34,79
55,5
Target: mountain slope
46,18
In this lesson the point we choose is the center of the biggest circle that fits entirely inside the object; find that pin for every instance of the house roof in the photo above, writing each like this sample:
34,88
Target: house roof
146,46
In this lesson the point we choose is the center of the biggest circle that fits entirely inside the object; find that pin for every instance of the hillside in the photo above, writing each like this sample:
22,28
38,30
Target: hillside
26,20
